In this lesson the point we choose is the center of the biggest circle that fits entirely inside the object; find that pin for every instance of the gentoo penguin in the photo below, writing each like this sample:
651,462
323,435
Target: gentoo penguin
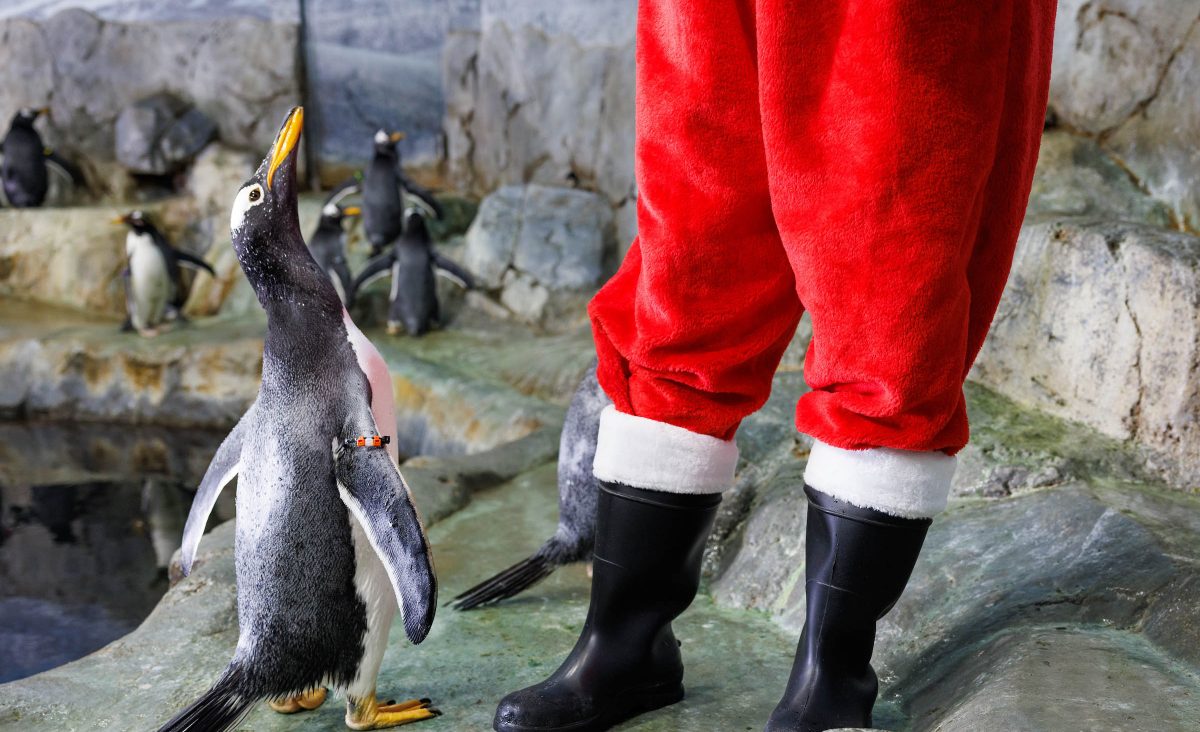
328,246
577,497
154,287
27,161
387,193
328,542
412,262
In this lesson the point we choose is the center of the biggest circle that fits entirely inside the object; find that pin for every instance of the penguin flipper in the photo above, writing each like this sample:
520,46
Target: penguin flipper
376,267
188,259
224,466
452,271
423,193
373,489
65,168
352,186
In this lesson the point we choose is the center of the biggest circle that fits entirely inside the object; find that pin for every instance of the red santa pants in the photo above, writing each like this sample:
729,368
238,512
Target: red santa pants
866,160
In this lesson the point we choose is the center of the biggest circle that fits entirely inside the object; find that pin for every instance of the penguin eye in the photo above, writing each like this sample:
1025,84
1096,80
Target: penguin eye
248,198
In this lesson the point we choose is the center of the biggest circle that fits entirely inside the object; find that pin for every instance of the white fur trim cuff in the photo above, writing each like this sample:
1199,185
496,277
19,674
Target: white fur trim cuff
643,453
898,482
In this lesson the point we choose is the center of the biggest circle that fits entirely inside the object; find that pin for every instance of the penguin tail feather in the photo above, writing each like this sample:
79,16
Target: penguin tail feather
221,708
514,580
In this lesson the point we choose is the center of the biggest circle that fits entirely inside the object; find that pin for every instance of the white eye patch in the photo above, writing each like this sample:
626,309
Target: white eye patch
381,137
247,198
330,209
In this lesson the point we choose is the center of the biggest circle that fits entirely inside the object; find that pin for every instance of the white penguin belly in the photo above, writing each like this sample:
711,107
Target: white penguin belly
149,284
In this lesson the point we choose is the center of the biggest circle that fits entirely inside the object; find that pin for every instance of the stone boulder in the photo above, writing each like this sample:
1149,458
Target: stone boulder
1100,323
543,92
529,242
161,135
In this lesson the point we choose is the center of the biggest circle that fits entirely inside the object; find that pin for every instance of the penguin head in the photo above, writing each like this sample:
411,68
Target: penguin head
414,226
135,220
385,142
265,227
332,214
26,116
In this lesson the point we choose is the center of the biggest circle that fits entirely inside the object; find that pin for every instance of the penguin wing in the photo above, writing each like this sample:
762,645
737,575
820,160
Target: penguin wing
350,187
422,193
188,259
451,270
373,489
64,167
375,268
224,466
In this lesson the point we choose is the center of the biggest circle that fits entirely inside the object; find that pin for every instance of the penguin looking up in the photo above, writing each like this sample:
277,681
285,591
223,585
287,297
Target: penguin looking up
24,173
328,542
154,289
412,263
578,494
328,246
387,193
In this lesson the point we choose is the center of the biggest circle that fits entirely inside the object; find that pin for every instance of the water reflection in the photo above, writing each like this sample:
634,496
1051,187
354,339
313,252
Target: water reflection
90,516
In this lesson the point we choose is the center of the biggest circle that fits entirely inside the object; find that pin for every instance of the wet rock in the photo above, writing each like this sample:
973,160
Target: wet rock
543,92
1060,678
1099,324
529,242
161,134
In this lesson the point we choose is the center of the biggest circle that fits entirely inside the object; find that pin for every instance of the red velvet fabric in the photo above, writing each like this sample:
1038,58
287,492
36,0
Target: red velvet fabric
869,160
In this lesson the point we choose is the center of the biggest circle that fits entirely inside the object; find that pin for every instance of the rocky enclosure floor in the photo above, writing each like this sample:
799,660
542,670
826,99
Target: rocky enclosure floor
1057,592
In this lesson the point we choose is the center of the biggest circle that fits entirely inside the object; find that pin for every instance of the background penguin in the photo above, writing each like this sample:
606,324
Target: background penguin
387,193
412,262
577,495
27,161
328,246
328,542
155,290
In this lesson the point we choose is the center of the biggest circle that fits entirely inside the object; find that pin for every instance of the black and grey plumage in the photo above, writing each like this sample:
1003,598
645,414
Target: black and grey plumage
578,493
412,263
387,193
328,246
25,170
154,288
328,542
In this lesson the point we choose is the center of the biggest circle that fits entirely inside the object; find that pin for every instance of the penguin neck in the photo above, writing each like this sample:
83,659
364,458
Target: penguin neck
297,317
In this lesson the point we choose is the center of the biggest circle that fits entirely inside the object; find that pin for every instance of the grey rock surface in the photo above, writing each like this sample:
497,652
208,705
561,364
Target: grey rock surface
543,92
1123,72
555,235
528,242
1099,324
239,71
161,134
1084,679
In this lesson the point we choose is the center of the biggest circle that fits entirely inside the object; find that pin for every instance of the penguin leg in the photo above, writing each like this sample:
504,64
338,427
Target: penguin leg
305,702
367,713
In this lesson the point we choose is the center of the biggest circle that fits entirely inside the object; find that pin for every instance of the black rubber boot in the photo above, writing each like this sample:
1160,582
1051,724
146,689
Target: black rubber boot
646,571
857,562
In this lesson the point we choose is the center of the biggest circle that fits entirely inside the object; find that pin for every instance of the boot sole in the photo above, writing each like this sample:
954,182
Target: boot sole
637,703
